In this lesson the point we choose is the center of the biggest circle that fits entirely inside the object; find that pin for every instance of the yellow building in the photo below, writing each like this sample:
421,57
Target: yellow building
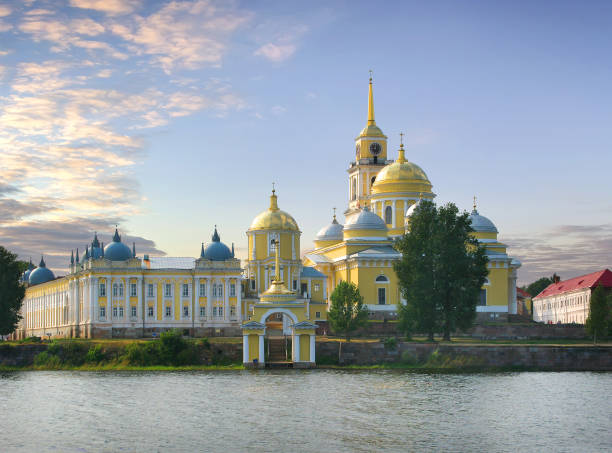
383,194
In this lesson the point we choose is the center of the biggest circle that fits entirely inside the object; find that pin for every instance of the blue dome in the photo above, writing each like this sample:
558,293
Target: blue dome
217,250
481,224
117,250
41,274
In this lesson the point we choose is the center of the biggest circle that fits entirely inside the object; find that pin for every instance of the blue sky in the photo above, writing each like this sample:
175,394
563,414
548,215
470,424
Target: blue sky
170,117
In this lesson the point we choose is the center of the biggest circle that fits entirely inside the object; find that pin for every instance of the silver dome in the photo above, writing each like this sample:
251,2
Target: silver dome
331,232
365,220
481,224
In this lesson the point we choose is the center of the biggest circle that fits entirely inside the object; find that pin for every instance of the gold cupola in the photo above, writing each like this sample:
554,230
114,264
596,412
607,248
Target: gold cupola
274,218
402,176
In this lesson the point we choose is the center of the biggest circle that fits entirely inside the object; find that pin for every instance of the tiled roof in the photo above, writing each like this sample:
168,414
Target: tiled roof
522,293
311,272
603,278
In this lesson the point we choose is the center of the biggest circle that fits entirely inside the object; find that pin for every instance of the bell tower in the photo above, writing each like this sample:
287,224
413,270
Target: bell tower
370,158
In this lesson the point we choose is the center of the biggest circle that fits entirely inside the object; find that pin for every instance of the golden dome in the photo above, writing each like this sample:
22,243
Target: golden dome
274,218
371,129
401,176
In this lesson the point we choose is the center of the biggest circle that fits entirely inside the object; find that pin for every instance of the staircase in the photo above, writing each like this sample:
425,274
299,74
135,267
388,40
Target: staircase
276,350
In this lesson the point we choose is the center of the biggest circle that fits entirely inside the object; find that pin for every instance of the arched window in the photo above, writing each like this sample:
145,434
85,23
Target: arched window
388,215
120,289
372,181
115,293
382,279
354,189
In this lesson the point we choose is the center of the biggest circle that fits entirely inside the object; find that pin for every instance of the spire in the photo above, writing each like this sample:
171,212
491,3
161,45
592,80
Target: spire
95,242
474,204
215,236
31,265
86,252
371,103
102,250
133,250
334,220
42,262
71,257
401,158
202,251
232,250
77,256
116,237
273,200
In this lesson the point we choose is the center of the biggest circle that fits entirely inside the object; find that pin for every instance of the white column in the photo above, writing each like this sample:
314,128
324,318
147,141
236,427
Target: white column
245,349
296,347
261,350
393,214
239,299
293,246
140,288
309,288
325,290
209,298
312,348
226,315
126,289
265,281
254,255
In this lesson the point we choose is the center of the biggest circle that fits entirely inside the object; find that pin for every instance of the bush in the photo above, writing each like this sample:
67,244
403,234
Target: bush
44,359
95,355
390,343
31,340
142,354
204,343
172,344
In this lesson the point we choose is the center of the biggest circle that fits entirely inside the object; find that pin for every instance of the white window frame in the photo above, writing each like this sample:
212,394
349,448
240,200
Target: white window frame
185,289
168,311
202,311
121,311
185,311
378,290
232,289
114,312
115,290
102,312
150,290
133,290
202,289
167,290
120,289
102,289
150,312
134,311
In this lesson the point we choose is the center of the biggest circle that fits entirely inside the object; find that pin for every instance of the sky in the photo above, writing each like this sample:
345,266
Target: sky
168,118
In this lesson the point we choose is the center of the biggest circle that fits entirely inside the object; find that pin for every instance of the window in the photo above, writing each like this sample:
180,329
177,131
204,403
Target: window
133,289
317,287
202,289
102,312
150,312
220,312
185,311
220,290
382,279
115,290
185,290
482,299
232,289
372,180
354,189
317,314
381,296
168,311
102,291
121,312
215,312
253,284
167,290
388,215
120,289
233,310
114,312
294,285
202,312
214,289
150,290
133,312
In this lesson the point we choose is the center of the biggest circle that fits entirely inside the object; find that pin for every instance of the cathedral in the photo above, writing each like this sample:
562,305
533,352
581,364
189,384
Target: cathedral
278,290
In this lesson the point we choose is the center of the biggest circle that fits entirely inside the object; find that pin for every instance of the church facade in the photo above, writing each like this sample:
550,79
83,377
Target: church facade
111,292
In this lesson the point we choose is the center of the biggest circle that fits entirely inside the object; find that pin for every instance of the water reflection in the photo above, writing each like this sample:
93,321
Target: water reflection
304,410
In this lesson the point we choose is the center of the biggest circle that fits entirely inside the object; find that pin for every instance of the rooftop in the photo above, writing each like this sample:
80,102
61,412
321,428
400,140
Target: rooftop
603,277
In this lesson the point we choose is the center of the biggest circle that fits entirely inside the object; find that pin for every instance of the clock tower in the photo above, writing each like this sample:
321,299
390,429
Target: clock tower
370,158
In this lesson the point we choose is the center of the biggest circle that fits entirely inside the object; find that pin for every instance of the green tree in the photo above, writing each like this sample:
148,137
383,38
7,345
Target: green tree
12,291
539,285
347,312
599,314
442,270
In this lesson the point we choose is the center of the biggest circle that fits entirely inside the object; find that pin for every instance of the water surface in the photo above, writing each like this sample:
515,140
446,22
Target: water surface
304,410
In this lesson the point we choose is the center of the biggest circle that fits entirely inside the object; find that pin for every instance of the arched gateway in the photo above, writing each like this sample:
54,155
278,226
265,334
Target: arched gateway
279,300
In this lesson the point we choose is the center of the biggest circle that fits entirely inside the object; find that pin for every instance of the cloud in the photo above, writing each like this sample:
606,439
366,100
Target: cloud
110,7
182,35
275,52
278,109
568,250
5,11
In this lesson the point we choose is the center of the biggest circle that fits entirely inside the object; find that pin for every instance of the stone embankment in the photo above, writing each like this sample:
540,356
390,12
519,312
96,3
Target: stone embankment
543,357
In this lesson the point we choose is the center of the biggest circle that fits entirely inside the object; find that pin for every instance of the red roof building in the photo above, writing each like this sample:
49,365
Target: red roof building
568,301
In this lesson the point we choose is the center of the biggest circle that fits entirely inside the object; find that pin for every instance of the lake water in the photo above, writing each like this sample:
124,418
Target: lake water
304,410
